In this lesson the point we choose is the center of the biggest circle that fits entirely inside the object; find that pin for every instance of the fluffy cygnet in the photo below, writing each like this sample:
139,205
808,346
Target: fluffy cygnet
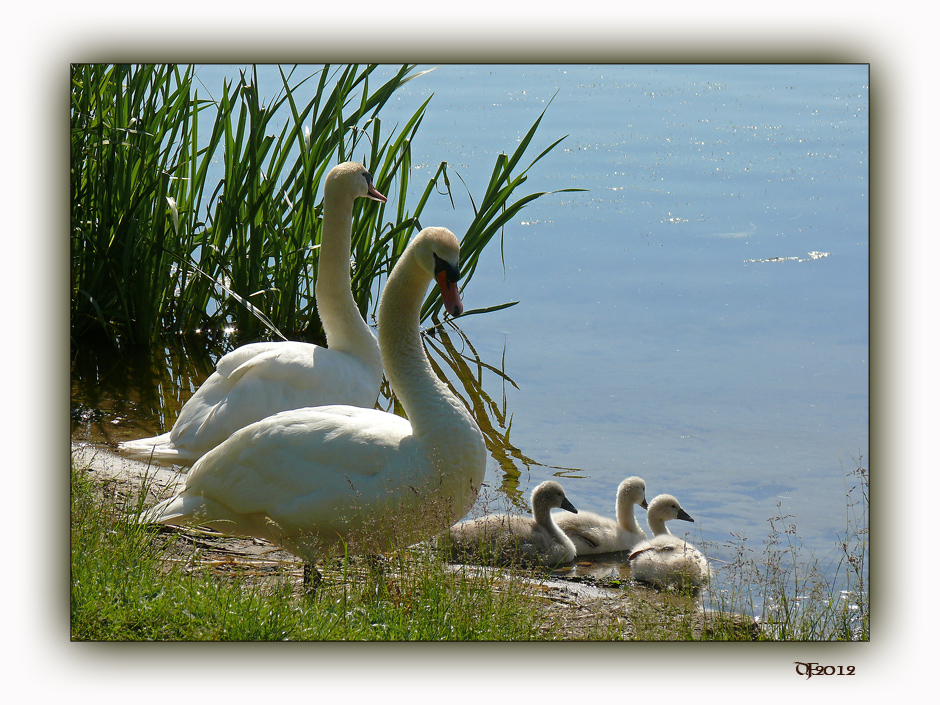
506,539
592,533
666,559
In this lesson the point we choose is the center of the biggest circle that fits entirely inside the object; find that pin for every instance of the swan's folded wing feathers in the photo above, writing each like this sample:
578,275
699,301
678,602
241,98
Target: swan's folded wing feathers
243,355
291,363
292,457
258,363
289,374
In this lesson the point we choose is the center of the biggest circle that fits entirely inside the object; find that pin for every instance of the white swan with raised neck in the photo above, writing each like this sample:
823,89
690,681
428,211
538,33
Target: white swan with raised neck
259,379
307,479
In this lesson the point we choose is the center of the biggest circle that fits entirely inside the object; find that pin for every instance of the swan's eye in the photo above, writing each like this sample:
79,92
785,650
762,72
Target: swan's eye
453,274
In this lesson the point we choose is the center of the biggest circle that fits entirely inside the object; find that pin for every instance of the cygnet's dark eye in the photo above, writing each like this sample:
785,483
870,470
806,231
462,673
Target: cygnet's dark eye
453,274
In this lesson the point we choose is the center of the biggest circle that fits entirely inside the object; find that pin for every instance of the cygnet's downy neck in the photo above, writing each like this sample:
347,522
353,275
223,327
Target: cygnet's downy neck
657,521
657,525
343,325
625,513
542,513
543,517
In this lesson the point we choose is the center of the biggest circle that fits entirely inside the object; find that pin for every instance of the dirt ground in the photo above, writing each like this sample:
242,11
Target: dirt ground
575,600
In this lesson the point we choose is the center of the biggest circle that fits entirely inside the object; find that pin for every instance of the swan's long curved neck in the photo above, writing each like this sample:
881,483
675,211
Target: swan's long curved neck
342,322
428,402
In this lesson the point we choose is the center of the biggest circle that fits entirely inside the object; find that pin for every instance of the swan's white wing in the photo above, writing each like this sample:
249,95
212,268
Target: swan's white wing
244,354
267,381
304,367
229,399
311,466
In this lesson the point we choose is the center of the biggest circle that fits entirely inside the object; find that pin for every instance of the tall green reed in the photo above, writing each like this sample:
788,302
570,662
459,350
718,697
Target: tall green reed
467,376
158,248
128,130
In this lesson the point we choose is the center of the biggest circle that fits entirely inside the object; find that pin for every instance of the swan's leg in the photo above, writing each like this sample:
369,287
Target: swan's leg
376,562
312,578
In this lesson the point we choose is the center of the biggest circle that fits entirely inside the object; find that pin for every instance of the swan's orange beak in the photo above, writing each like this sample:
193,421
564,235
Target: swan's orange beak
375,195
452,301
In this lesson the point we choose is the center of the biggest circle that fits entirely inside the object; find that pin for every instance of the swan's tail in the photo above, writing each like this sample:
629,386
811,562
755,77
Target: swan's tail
158,449
155,514
179,510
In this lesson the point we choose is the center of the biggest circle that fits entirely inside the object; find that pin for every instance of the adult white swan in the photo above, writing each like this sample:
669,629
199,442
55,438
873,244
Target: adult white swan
666,559
507,539
260,379
308,478
592,533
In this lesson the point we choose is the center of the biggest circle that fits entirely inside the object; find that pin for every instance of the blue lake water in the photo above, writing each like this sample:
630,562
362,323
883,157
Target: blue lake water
699,315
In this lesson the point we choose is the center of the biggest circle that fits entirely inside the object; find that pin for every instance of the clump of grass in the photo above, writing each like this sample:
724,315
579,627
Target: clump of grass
415,596
798,601
125,586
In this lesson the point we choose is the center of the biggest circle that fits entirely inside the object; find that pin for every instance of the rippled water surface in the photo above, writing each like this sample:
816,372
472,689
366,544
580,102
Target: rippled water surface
699,315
